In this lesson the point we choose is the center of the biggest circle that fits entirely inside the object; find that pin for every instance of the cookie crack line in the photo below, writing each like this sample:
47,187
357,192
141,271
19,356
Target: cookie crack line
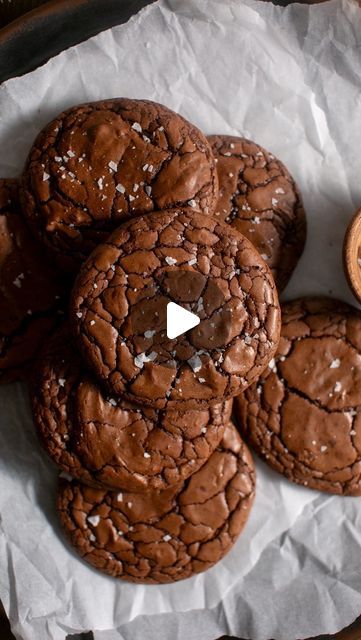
255,182
83,434
128,542
316,402
253,296
158,138
279,436
284,423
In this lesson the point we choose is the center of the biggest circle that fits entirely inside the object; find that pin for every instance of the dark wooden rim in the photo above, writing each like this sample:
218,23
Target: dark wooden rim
47,30
33,38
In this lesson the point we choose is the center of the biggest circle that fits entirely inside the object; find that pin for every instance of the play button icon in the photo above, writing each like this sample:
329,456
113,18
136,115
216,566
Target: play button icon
179,320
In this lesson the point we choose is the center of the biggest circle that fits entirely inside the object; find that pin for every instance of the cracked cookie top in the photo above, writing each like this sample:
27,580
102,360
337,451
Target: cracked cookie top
99,164
103,441
163,536
259,198
30,290
303,416
119,303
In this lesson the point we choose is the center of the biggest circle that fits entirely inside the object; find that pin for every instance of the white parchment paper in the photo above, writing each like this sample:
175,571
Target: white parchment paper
289,79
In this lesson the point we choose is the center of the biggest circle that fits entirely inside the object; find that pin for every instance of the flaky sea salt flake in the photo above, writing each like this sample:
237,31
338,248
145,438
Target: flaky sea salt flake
141,358
149,334
66,476
113,166
195,363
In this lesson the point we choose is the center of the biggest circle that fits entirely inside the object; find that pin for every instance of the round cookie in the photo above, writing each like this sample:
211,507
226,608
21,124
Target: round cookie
109,443
259,198
303,416
164,536
30,290
119,307
101,163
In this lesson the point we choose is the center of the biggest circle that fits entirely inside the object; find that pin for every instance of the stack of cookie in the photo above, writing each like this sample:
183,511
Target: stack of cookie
131,208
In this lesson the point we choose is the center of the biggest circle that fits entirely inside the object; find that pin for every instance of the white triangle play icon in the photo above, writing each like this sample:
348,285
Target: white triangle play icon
179,320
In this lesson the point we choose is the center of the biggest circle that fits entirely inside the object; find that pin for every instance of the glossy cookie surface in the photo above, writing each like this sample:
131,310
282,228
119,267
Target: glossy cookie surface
303,416
99,164
166,536
103,441
259,198
119,311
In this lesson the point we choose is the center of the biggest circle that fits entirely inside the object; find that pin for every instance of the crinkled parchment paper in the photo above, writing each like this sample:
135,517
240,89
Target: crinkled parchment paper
290,79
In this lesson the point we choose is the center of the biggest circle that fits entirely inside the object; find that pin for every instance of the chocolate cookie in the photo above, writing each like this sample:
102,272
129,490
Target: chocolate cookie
259,198
106,442
169,535
119,305
303,416
99,164
30,291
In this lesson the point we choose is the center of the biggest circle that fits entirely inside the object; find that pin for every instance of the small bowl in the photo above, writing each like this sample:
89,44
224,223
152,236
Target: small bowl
352,255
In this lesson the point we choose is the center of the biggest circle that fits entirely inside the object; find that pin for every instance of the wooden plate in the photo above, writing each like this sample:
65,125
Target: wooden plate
40,34
54,26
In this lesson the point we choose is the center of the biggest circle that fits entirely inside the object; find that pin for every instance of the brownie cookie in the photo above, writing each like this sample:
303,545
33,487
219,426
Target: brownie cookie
169,535
30,291
259,197
110,443
119,305
99,164
303,416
